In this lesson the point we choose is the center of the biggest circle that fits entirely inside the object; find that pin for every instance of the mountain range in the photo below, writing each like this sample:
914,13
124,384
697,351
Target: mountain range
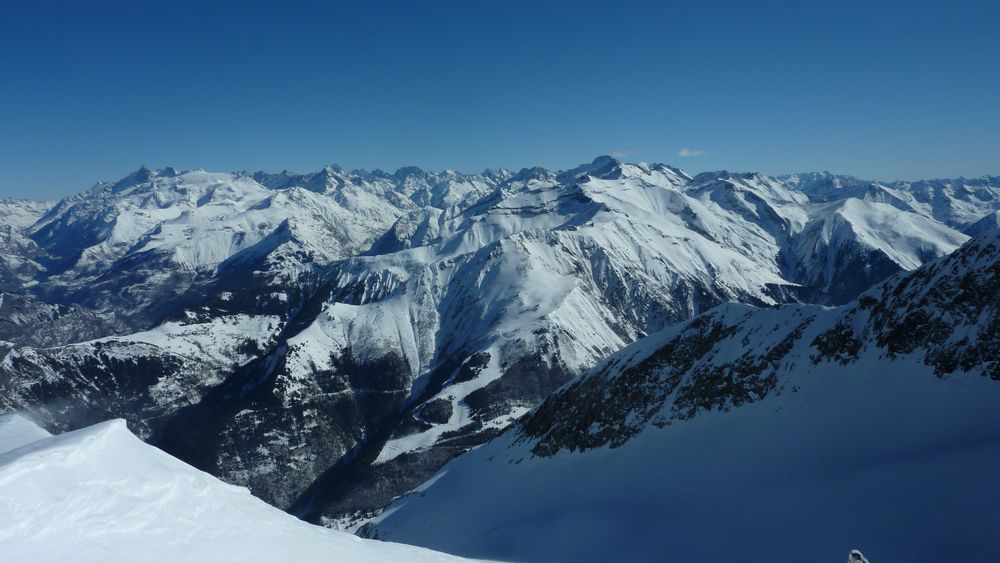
331,340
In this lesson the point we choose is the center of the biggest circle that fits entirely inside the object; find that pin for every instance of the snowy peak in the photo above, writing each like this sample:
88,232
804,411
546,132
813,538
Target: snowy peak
609,168
527,175
824,186
140,176
604,167
909,240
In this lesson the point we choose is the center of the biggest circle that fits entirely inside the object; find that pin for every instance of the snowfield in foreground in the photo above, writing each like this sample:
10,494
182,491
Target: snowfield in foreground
101,494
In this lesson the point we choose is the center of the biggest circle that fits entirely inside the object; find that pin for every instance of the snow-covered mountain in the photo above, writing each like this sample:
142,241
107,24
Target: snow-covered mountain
954,202
746,434
101,494
983,225
22,213
144,242
18,253
851,244
331,339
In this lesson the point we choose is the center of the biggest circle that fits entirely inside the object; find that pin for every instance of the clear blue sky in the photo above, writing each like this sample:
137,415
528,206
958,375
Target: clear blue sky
91,90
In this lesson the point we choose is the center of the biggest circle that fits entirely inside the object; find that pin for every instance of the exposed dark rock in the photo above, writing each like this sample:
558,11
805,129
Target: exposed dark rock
437,411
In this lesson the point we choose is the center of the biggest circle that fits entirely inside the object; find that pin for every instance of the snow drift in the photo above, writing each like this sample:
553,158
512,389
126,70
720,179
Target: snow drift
101,494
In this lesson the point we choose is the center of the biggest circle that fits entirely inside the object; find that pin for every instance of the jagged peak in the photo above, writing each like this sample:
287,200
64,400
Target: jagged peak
145,174
140,176
603,166
604,160
661,167
408,171
376,173
496,175
533,173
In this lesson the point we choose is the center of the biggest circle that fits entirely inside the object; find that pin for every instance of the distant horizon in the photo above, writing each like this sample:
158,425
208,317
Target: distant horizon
394,170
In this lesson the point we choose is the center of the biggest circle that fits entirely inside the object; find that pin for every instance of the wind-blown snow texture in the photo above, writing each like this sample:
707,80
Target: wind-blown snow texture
17,431
101,494
329,340
795,433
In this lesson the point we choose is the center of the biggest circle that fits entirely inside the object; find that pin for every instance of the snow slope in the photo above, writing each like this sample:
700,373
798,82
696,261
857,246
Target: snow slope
795,433
904,469
101,494
17,431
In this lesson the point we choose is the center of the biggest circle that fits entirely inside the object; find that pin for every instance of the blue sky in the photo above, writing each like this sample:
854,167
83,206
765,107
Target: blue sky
89,91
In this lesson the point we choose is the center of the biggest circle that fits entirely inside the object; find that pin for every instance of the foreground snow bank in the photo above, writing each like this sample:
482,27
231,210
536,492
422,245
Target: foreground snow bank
101,494
16,431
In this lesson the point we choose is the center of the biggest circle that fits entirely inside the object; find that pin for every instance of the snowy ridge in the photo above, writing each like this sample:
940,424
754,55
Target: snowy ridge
17,431
22,213
123,235
101,494
851,244
954,202
984,225
890,231
171,366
